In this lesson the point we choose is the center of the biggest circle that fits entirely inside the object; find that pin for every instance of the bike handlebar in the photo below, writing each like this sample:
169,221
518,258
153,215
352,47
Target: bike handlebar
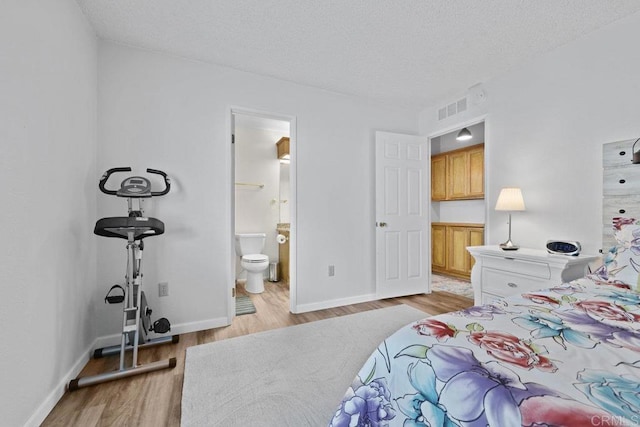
105,178
167,182
108,173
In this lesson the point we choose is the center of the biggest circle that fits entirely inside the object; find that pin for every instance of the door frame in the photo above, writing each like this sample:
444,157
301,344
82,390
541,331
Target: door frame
457,126
460,125
231,111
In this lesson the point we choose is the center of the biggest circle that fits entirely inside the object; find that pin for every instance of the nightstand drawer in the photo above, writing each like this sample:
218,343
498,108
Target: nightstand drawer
499,273
501,283
489,298
527,268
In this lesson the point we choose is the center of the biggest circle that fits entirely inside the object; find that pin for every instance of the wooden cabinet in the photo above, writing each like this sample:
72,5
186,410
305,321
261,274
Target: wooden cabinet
458,174
498,274
438,177
449,243
282,148
438,247
476,172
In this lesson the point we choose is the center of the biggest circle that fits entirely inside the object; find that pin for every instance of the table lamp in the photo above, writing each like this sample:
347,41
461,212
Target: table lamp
510,200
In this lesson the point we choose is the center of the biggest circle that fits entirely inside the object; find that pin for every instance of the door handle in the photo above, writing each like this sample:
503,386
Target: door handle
382,224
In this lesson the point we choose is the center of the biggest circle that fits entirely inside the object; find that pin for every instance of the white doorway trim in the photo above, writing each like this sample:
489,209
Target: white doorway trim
458,126
232,110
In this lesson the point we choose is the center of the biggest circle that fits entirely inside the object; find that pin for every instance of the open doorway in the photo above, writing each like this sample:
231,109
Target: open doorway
263,218
458,208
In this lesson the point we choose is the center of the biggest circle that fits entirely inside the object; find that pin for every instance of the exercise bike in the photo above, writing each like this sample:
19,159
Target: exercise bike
136,314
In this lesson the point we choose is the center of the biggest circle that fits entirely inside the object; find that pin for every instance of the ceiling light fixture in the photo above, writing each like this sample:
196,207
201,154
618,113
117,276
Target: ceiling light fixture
464,135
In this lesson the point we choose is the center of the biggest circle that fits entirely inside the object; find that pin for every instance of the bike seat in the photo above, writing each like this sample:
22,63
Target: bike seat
121,226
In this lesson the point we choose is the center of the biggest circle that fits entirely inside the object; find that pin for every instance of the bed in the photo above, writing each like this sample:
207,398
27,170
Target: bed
564,356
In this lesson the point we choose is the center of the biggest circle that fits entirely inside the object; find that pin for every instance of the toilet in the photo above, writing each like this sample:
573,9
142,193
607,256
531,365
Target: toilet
249,248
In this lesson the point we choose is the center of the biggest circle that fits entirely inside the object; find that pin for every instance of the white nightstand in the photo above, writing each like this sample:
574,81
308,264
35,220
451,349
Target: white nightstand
498,273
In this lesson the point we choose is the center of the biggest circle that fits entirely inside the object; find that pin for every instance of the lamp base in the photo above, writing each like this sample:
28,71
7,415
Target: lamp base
509,246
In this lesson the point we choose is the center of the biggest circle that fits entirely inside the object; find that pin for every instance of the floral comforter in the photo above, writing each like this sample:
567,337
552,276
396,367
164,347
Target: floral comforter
566,356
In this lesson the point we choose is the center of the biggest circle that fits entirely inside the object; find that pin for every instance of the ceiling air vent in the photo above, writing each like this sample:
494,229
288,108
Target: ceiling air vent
462,105
452,109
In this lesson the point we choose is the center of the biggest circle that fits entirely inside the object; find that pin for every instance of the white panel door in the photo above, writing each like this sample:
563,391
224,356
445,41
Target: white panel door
402,215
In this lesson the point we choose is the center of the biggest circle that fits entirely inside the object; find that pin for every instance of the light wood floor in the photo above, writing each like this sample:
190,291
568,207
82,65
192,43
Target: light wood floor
154,399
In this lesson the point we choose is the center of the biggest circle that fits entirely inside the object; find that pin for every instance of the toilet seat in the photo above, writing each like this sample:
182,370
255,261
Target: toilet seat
255,258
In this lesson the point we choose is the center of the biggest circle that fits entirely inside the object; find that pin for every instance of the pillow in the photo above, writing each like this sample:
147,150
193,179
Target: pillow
621,263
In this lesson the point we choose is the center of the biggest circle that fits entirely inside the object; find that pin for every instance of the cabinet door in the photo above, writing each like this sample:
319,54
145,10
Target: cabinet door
438,178
457,255
476,173
458,175
476,238
438,248
282,148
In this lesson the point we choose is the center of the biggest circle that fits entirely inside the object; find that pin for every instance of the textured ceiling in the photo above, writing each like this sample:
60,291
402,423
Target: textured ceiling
409,52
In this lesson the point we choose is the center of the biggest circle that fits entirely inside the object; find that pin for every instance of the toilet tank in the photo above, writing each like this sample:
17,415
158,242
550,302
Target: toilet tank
250,243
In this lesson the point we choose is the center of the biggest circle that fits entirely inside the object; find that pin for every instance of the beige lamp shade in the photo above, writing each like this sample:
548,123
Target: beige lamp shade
510,199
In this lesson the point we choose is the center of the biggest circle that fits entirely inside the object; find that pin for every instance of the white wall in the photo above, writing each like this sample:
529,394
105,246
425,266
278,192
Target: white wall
546,123
169,113
458,211
48,59
285,193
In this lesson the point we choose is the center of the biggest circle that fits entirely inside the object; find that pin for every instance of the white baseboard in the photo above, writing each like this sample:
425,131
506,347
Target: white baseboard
185,328
182,328
58,391
304,308
56,394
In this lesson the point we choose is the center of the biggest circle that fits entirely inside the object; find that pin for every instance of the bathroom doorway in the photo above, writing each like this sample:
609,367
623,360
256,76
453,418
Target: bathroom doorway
263,173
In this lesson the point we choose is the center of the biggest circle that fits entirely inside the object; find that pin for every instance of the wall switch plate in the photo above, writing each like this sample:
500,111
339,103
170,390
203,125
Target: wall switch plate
163,289
332,270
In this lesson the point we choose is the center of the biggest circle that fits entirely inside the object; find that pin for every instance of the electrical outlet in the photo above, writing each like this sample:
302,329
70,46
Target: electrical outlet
163,289
332,270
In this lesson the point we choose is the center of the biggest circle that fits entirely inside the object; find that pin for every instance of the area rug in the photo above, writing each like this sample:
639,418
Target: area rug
452,285
244,305
294,376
